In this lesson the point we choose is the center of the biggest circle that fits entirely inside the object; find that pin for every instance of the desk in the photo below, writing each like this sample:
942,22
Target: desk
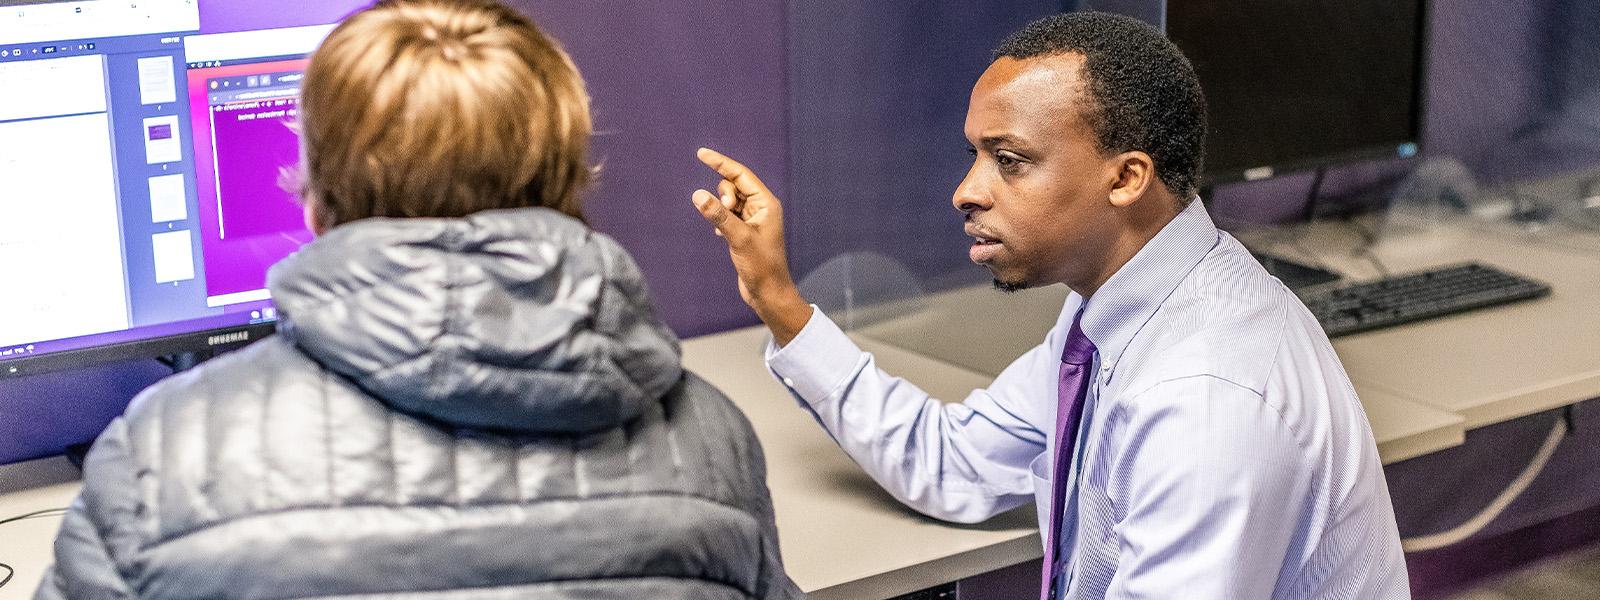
1486,366
28,545
842,536
1422,385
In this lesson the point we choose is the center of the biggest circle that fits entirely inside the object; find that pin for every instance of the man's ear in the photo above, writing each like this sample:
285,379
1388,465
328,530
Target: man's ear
1135,173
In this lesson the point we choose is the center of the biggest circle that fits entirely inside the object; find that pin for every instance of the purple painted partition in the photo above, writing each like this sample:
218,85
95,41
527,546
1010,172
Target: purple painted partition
665,80
878,104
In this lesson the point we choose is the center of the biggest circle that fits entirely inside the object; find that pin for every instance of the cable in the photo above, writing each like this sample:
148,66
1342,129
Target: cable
1314,193
48,512
1369,238
1481,520
1372,258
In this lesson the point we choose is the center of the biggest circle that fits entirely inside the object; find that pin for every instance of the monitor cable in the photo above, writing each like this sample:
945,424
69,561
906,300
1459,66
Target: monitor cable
1369,239
48,512
1498,505
1313,210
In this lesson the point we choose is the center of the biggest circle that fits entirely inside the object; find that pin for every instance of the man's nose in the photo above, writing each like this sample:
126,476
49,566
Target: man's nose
970,195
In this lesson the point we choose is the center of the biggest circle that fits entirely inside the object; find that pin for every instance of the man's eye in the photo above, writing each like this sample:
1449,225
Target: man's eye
1005,161
972,151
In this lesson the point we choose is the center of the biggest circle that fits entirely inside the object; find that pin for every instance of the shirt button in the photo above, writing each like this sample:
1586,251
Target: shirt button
787,382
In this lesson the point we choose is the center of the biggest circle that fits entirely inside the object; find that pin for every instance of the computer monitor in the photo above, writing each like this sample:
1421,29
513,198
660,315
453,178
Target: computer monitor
1304,84
139,168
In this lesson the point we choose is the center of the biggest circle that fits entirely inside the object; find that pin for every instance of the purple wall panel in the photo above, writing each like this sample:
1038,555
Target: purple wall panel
665,82
879,101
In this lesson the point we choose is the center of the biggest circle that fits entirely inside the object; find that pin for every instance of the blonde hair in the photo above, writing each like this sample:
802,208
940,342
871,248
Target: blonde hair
440,108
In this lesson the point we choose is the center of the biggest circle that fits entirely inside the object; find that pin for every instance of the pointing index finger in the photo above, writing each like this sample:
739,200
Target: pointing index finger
742,177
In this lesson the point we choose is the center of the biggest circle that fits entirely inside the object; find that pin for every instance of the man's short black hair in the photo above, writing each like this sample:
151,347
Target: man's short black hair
1144,93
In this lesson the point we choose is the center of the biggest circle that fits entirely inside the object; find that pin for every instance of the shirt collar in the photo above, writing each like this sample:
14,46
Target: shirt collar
1131,296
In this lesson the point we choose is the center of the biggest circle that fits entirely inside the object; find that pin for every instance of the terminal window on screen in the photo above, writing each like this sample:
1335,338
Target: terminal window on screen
248,221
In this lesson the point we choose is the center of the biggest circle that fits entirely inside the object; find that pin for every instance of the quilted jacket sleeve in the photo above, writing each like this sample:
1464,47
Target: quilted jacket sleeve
84,568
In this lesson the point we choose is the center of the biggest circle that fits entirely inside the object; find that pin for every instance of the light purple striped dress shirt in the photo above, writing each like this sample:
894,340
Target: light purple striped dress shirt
1223,452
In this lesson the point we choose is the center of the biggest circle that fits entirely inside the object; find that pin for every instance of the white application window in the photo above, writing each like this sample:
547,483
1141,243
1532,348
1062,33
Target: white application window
60,216
168,199
156,81
28,21
48,88
174,252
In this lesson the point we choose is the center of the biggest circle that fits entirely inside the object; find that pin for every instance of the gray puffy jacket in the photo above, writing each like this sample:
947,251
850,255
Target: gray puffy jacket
453,408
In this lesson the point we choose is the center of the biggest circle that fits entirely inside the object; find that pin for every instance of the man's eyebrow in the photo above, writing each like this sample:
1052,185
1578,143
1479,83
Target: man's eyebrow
1005,139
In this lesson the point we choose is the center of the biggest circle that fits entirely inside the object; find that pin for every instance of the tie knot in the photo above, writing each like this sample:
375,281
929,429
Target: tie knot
1079,350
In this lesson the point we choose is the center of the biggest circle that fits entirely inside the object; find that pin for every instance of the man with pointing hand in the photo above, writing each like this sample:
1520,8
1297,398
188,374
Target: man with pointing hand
1185,429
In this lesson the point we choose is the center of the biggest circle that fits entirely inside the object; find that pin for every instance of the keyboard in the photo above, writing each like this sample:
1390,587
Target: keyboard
1413,297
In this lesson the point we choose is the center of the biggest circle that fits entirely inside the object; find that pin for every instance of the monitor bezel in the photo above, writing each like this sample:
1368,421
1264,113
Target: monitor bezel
152,348
1424,38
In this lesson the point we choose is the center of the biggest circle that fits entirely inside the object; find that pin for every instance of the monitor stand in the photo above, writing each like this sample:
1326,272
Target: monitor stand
184,361
1295,275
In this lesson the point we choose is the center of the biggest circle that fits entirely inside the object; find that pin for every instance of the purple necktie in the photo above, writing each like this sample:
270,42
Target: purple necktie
1075,376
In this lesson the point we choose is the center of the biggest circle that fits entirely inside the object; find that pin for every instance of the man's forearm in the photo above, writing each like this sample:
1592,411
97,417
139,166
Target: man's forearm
785,313
960,462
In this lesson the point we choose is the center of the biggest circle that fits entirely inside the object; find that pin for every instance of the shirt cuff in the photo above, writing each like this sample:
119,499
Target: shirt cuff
817,362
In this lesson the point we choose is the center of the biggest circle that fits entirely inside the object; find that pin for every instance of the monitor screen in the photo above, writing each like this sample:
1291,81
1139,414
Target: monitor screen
1303,83
140,167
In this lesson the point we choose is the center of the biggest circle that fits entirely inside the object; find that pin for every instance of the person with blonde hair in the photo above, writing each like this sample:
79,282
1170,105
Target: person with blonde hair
469,396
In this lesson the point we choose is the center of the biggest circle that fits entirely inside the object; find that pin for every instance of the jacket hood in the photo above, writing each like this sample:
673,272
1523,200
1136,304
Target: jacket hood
522,320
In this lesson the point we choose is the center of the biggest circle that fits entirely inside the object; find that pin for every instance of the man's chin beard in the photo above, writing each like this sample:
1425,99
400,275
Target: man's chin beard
1010,287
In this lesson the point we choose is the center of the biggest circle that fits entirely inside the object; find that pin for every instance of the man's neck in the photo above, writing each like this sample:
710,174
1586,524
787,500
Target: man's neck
1140,225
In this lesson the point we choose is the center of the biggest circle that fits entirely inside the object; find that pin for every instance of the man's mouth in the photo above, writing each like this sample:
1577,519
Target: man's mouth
984,248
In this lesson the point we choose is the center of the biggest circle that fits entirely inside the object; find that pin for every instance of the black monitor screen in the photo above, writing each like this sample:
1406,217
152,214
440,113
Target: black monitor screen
1298,83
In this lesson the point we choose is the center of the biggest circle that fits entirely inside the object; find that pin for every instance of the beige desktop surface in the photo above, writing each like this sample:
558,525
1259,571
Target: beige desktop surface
1560,235
28,545
1489,365
1406,429
985,330
842,536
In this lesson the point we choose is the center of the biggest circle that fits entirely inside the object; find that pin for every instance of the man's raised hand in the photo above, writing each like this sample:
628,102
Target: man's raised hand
750,218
